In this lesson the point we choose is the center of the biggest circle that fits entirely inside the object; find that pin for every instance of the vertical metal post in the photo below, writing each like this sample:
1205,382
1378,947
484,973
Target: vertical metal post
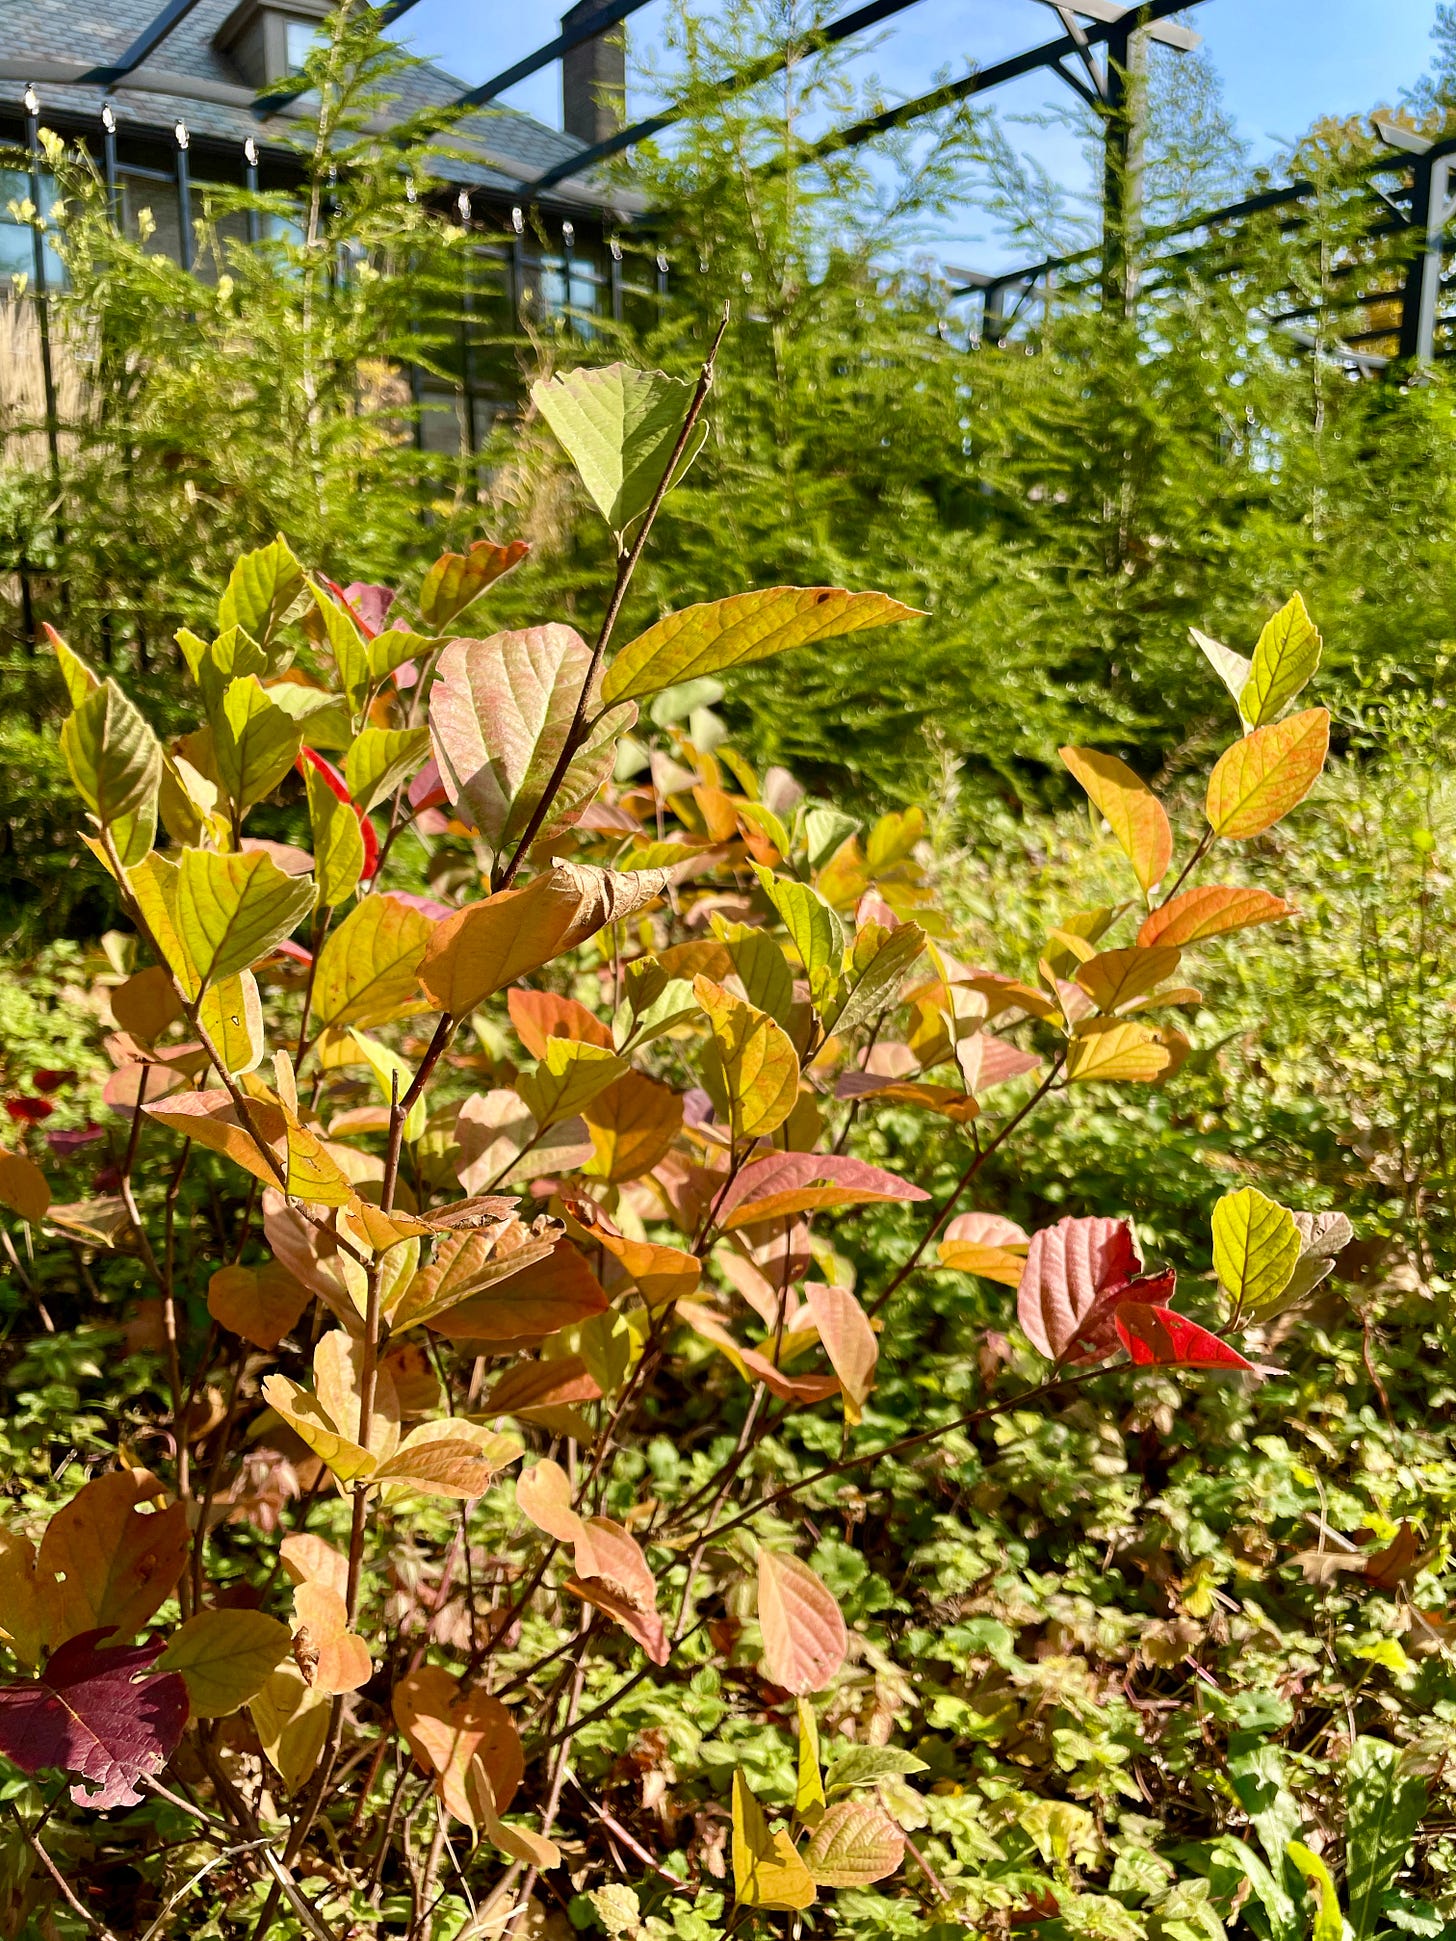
568,240
184,194
42,293
661,289
1430,213
993,313
108,161
1125,117
250,183
518,265
467,322
614,250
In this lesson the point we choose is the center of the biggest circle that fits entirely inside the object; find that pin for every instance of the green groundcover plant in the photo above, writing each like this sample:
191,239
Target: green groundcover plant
500,1166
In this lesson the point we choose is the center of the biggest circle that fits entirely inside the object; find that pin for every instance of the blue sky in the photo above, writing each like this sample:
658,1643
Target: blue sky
1282,62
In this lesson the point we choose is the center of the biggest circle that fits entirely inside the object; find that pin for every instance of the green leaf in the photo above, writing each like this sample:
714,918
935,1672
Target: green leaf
1329,1923
868,1765
338,844
1278,1904
743,628
380,759
750,1069
394,1078
570,1074
1257,1777
761,966
231,910
116,764
254,742
262,587
394,647
225,1658
814,930
78,677
826,830
619,427
346,644
879,982
1383,1808
1255,1247
1231,668
1284,663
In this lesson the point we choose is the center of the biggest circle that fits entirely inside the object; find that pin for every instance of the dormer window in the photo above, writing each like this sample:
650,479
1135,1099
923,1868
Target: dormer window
268,43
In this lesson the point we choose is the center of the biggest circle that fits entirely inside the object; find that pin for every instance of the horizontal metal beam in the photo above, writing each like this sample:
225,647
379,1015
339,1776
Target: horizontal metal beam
146,42
857,22
1109,12
600,22
981,80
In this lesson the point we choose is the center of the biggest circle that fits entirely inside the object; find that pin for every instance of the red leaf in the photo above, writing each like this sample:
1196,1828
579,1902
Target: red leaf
334,781
1068,1267
93,1716
1156,1335
29,1112
47,1081
72,1141
427,791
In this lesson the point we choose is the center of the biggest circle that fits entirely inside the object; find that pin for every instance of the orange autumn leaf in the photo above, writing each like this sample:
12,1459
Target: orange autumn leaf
262,1304
1266,774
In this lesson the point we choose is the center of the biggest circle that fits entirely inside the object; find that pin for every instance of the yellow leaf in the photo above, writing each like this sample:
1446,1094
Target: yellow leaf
231,910
231,1013
367,969
809,1799
1134,814
1103,1049
1261,778
456,580
632,1124
23,1186
292,1722
767,1872
1114,977
225,1658
743,628
755,1062
991,1263
1256,1245
1285,661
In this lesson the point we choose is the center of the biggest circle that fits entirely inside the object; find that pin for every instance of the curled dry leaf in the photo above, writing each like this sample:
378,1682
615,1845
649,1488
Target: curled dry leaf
488,945
330,1657
553,1292
466,1263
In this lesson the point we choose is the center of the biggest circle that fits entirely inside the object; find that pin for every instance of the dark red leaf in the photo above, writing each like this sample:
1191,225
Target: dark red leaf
1096,1336
29,1112
1069,1267
99,1715
48,1081
1158,1336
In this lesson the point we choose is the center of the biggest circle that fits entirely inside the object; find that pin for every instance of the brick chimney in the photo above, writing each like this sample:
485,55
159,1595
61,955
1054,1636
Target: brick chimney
593,79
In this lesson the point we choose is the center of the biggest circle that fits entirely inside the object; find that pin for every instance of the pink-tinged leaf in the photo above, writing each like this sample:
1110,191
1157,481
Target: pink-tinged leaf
98,1715
986,1061
1067,1267
645,1626
368,604
1158,1336
987,1230
804,1639
854,1844
794,1182
849,1341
